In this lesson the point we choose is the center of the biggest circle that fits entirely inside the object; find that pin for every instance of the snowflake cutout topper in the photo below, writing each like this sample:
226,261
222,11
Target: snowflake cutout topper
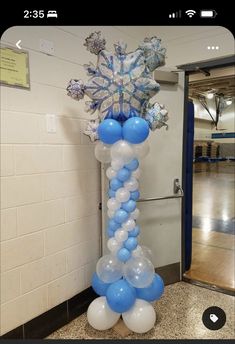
121,84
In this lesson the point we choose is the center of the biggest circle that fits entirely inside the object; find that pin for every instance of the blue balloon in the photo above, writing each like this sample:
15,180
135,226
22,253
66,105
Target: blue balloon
98,285
135,130
123,174
113,225
120,296
123,254
110,233
135,232
111,193
115,184
135,195
132,165
110,131
120,216
131,243
152,292
129,206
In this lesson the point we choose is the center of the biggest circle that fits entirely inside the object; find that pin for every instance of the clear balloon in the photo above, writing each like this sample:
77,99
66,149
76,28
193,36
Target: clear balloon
109,269
102,152
137,252
113,245
136,173
141,317
122,150
121,235
113,204
139,272
147,252
131,184
122,195
111,173
135,214
100,316
141,149
128,225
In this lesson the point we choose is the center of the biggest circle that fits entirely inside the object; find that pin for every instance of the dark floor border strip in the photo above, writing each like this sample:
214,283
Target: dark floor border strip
169,273
50,321
208,286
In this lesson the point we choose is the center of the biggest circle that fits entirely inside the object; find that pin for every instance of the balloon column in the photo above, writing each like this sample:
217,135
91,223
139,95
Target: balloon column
120,88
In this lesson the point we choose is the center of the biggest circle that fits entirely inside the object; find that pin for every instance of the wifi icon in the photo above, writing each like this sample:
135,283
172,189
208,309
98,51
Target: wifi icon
190,13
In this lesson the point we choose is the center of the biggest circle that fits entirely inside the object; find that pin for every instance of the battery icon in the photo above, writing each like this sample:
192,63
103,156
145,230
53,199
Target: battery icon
208,14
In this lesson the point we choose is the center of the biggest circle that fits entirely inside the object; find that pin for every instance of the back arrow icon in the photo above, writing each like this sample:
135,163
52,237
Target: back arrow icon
18,44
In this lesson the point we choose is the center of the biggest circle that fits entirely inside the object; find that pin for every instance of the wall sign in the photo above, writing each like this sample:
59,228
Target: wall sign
14,67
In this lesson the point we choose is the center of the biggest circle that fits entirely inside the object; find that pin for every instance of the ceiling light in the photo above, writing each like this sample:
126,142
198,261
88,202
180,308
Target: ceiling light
229,102
210,95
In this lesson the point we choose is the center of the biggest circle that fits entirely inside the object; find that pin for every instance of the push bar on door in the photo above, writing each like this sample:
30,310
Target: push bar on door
177,188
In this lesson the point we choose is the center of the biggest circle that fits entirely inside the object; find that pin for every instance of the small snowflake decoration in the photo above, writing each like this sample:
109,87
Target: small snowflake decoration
91,130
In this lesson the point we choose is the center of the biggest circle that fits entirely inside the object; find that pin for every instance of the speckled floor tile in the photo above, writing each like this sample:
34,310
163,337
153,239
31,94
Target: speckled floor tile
179,314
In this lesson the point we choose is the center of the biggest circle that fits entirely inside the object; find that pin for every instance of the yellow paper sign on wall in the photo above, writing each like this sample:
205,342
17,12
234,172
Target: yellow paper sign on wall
14,67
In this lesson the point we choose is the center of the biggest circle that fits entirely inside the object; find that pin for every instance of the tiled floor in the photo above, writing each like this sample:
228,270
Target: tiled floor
179,314
213,249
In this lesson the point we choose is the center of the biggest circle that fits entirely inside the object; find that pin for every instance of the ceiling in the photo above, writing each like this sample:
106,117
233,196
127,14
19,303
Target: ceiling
223,84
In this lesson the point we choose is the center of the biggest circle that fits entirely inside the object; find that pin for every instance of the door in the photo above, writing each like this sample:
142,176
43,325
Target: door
160,221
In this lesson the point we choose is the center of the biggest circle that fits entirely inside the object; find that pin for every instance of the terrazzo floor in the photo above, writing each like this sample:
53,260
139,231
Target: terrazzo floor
179,314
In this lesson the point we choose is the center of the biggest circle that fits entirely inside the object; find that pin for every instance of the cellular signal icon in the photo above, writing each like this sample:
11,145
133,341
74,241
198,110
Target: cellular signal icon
175,15
190,13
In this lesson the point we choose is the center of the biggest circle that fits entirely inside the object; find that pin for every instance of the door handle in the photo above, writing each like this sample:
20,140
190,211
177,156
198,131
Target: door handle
177,189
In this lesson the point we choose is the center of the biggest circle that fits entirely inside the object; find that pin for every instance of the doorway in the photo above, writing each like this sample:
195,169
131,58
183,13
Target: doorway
209,234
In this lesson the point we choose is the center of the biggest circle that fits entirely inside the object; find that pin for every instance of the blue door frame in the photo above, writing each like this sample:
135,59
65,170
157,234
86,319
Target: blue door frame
188,186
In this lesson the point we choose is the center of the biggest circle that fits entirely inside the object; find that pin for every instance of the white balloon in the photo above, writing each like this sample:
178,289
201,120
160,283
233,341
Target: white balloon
122,195
111,173
121,235
141,149
141,317
122,150
131,184
136,173
102,152
113,204
111,213
128,225
139,272
109,268
117,164
113,245
135,214
100,316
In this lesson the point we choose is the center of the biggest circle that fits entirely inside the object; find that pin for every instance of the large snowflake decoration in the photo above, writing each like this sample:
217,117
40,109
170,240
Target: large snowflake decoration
122,84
